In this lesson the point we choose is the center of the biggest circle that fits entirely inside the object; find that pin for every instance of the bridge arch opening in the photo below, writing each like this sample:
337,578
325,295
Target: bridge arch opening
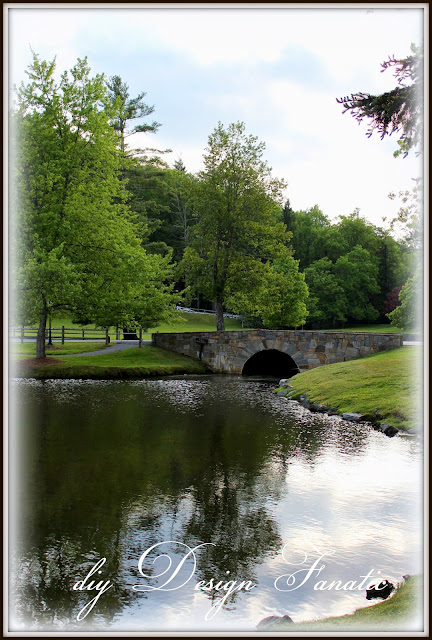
270,362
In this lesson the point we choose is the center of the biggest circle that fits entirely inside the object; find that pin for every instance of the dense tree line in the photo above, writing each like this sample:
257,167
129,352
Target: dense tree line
350,266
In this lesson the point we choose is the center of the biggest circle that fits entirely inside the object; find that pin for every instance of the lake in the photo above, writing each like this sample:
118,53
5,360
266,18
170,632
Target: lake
188,483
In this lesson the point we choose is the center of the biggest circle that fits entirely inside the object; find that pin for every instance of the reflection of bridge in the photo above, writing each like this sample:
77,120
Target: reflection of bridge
281,353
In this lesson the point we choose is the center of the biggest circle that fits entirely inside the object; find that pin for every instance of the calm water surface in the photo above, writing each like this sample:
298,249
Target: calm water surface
107,469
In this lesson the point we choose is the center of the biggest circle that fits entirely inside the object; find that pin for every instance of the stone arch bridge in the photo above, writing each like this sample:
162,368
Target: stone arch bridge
279,353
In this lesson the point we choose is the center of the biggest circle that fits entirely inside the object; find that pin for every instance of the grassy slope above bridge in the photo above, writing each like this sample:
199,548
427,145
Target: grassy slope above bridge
390,382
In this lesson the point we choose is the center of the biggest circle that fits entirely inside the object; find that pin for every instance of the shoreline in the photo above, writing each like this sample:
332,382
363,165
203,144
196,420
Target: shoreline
383,389
126,364
394,613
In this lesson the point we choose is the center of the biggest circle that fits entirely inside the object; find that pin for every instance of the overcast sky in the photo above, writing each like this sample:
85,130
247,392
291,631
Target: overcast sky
277,69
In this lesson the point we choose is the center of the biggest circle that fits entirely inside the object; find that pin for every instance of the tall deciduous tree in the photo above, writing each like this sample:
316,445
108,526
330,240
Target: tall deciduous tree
237,204
279,295
76,247
357,274
327,303
307,230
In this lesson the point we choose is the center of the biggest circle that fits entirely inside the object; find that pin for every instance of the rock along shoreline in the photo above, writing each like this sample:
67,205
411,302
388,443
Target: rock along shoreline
286,390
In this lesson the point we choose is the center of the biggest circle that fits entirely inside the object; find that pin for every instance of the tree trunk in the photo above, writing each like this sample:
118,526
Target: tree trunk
40,338
122,155
220,323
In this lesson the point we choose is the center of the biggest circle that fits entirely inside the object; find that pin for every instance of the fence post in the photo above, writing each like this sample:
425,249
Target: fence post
83,334
22,334
50,343
140,336
107,338
63,334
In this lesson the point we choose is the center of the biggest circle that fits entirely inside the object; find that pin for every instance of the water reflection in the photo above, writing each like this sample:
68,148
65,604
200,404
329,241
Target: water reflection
109,469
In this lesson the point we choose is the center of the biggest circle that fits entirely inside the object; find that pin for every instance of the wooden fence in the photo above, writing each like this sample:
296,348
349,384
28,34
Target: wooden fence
63,334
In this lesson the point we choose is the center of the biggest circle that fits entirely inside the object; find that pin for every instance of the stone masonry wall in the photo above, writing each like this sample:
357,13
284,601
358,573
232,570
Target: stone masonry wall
227,351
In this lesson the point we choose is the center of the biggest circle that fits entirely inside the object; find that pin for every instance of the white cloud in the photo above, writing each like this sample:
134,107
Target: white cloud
233,35
324,155
345,40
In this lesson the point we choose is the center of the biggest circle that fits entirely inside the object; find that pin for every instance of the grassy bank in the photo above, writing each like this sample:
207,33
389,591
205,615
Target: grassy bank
128,364
58,349
390,381
397,613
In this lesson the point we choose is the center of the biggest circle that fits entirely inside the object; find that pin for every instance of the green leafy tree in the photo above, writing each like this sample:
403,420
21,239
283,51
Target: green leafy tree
280,294
314,238
384,251
399,110
357,275
354,230
179,165
237,205
307,231
177,217
327,303
408,315
149,198
75,246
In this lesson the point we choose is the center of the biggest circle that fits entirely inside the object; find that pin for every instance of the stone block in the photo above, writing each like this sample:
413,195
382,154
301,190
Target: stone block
351,352
352,417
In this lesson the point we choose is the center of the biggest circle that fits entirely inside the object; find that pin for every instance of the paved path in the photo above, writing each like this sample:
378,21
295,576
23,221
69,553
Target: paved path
119,346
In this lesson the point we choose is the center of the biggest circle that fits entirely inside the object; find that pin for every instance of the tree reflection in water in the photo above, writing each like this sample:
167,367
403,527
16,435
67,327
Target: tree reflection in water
109,469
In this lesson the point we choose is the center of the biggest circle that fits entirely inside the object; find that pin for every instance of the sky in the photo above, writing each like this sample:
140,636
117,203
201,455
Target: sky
278,68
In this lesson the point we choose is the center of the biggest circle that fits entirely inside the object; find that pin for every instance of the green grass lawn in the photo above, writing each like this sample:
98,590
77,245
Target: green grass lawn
29,348
131,363
390,381
196,322
396,613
